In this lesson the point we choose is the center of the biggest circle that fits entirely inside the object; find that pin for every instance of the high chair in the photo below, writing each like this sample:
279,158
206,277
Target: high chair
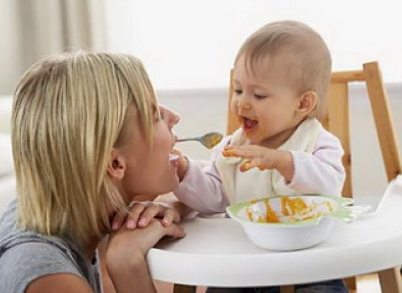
337,122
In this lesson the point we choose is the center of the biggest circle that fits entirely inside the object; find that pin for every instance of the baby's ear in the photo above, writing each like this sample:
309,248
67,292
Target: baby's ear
116,166
307,103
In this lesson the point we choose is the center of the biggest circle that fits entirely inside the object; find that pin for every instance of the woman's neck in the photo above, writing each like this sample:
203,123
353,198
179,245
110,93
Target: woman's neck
92,246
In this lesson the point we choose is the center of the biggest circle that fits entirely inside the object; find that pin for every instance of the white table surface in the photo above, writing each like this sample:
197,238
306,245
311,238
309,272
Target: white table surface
216,251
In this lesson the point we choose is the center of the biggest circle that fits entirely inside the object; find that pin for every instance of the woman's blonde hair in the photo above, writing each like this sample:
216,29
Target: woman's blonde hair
69,112
308,65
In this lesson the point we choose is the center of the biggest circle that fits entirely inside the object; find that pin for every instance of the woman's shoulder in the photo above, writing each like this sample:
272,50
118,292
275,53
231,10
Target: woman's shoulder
24,258
27,256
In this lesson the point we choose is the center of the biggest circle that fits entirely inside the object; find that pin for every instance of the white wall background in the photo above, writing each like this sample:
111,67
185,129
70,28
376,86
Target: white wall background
9,47
192,44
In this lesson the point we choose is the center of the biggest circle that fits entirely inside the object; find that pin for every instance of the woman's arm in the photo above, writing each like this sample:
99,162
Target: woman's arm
106,281
126,255
61,283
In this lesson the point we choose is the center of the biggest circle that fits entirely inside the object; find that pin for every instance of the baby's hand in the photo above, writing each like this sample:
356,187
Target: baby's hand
182,164
256,156
141,213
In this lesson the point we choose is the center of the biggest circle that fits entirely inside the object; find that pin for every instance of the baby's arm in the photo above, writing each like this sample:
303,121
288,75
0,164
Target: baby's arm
322,171
201,189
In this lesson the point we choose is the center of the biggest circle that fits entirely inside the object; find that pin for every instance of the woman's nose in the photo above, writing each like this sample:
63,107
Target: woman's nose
174,118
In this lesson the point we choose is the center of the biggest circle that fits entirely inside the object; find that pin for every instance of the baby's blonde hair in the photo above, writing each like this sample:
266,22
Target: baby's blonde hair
69,111
308,67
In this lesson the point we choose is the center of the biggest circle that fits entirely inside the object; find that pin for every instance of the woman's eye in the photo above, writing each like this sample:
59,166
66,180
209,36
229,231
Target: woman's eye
162,115
159,115
237,92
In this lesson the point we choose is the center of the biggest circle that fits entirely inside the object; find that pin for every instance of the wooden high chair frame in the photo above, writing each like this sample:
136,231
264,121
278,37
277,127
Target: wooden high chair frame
337,122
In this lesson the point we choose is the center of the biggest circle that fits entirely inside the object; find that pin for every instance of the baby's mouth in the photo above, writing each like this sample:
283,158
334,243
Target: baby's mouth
249,123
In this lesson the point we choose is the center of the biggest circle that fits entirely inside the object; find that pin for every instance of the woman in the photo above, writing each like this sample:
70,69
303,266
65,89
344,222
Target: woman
89,138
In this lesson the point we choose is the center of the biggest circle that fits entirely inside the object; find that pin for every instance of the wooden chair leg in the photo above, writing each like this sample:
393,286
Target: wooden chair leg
288,289
184,289
351,283
390,280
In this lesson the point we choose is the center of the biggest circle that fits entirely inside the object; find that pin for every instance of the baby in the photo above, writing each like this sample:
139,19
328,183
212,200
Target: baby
280,81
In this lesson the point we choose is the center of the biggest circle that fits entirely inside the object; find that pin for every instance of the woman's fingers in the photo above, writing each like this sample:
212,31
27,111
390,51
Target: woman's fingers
140,214
117,221
146,237
130,220
168,214
175,231
159,231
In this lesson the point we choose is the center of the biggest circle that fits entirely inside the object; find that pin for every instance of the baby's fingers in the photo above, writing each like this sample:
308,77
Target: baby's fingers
247,152
247,166
256,163
234,153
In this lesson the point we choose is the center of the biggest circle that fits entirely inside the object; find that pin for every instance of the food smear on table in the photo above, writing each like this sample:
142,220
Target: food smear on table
287,209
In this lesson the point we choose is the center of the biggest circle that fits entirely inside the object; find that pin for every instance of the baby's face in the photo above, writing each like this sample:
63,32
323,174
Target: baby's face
265,103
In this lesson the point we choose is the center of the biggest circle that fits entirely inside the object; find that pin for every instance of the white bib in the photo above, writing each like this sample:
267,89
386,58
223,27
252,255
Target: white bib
244,186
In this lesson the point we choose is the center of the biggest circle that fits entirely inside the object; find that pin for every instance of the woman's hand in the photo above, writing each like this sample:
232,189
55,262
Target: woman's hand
136,232
142,212
126,254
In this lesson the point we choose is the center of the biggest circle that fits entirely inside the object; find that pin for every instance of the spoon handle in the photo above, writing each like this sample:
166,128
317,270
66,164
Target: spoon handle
188,139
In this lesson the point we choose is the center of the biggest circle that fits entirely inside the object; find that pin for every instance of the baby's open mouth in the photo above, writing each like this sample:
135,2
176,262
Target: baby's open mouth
249,123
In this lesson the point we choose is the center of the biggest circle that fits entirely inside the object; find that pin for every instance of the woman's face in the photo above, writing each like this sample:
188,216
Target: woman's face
148,170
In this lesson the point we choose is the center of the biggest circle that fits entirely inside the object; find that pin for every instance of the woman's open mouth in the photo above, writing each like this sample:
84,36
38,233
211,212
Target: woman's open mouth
173,157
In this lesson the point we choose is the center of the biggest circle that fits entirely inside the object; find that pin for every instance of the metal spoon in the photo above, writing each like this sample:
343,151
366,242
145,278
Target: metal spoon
208,140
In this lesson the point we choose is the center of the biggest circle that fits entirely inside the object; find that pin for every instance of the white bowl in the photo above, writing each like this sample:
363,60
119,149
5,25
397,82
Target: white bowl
290,222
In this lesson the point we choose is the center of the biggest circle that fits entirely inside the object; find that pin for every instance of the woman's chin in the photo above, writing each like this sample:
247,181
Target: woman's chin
170,187
175,184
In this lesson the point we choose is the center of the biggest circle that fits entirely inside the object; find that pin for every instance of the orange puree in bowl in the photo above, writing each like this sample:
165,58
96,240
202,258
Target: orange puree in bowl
271,216
291,207
295,209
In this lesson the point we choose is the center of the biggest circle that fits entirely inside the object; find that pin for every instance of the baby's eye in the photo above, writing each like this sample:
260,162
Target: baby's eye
259,97
237,92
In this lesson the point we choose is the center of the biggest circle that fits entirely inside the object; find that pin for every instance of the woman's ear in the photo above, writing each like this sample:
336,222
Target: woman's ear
307,103
116,166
